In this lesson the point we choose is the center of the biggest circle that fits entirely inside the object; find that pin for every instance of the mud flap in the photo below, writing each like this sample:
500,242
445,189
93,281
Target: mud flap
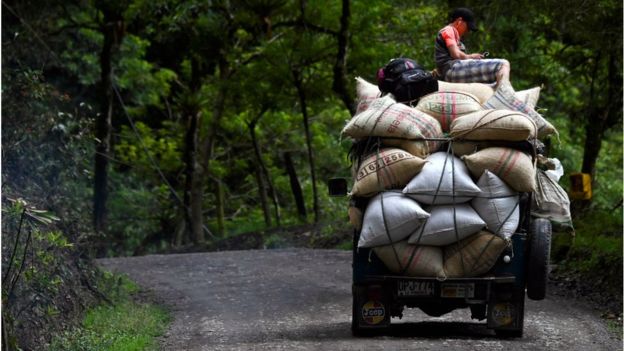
505,311
371,309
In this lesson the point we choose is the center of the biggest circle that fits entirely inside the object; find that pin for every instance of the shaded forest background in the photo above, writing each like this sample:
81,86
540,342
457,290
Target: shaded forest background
135,126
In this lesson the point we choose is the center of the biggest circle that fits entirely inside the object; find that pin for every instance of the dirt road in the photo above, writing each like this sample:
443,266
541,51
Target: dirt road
300,299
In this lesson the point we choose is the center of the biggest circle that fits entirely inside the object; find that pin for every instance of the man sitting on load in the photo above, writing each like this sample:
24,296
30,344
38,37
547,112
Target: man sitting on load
452,61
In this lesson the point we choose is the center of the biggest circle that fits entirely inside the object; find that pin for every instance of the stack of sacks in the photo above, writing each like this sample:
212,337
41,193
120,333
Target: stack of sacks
442,223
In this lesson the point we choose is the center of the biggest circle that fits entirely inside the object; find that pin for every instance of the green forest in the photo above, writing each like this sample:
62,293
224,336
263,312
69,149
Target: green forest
133,127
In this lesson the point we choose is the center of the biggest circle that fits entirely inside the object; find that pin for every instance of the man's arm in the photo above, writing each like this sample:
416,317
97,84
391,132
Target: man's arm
459,55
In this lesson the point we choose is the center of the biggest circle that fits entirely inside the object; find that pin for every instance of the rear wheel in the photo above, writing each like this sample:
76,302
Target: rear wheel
538,258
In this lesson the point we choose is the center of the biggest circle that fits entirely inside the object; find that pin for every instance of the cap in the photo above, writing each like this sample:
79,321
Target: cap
466,15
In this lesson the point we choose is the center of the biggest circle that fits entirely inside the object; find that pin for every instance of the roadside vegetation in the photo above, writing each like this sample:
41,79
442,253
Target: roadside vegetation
138,127
123,324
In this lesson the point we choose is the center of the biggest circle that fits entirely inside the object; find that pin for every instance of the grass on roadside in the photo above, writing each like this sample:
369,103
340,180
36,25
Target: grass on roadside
124,325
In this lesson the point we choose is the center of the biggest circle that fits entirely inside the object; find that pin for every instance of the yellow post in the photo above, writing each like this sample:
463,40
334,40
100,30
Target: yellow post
581,186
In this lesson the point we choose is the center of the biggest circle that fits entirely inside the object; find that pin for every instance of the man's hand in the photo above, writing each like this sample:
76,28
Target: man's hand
475,56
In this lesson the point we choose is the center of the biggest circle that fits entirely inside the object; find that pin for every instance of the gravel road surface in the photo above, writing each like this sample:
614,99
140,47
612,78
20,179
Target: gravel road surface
300,299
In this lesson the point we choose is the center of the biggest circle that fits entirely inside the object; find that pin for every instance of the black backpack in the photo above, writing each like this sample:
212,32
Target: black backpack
406,80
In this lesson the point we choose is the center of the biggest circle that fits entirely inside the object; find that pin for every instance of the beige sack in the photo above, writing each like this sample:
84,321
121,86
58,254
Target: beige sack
414,147
426,261
464,147
514,167
505,98
494,125
529,96
355,217
482,91
447,106
366,93
388,118
473,256
389,169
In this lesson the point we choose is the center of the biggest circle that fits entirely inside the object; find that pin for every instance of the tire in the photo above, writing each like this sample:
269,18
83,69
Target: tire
538,258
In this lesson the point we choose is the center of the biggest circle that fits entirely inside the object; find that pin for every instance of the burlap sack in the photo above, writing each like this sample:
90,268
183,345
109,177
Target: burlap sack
482,91
421,261
389,218
473,256
514,167
550,201
388,118
494,125
447,224
505,98
416,148
447,106
443,180
366,93
464,147
497,205
355,217
529,96
389,169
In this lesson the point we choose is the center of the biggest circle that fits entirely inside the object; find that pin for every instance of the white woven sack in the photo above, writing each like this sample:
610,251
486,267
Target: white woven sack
497,205
443,180
402,215
447,224
366,93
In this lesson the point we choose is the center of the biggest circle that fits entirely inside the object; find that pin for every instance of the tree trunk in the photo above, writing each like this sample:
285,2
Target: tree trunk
192,201
295,186
263,197
262,166
113,34
306,125
602,116
193,194
340,85
218,109
220,208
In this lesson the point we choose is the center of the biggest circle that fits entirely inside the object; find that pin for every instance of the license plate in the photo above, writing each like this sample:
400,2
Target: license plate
457,290
415,288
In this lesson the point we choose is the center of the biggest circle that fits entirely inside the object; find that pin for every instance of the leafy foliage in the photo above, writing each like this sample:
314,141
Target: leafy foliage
230,69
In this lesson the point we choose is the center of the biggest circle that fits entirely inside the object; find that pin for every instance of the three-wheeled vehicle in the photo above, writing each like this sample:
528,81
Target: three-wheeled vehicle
498,295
